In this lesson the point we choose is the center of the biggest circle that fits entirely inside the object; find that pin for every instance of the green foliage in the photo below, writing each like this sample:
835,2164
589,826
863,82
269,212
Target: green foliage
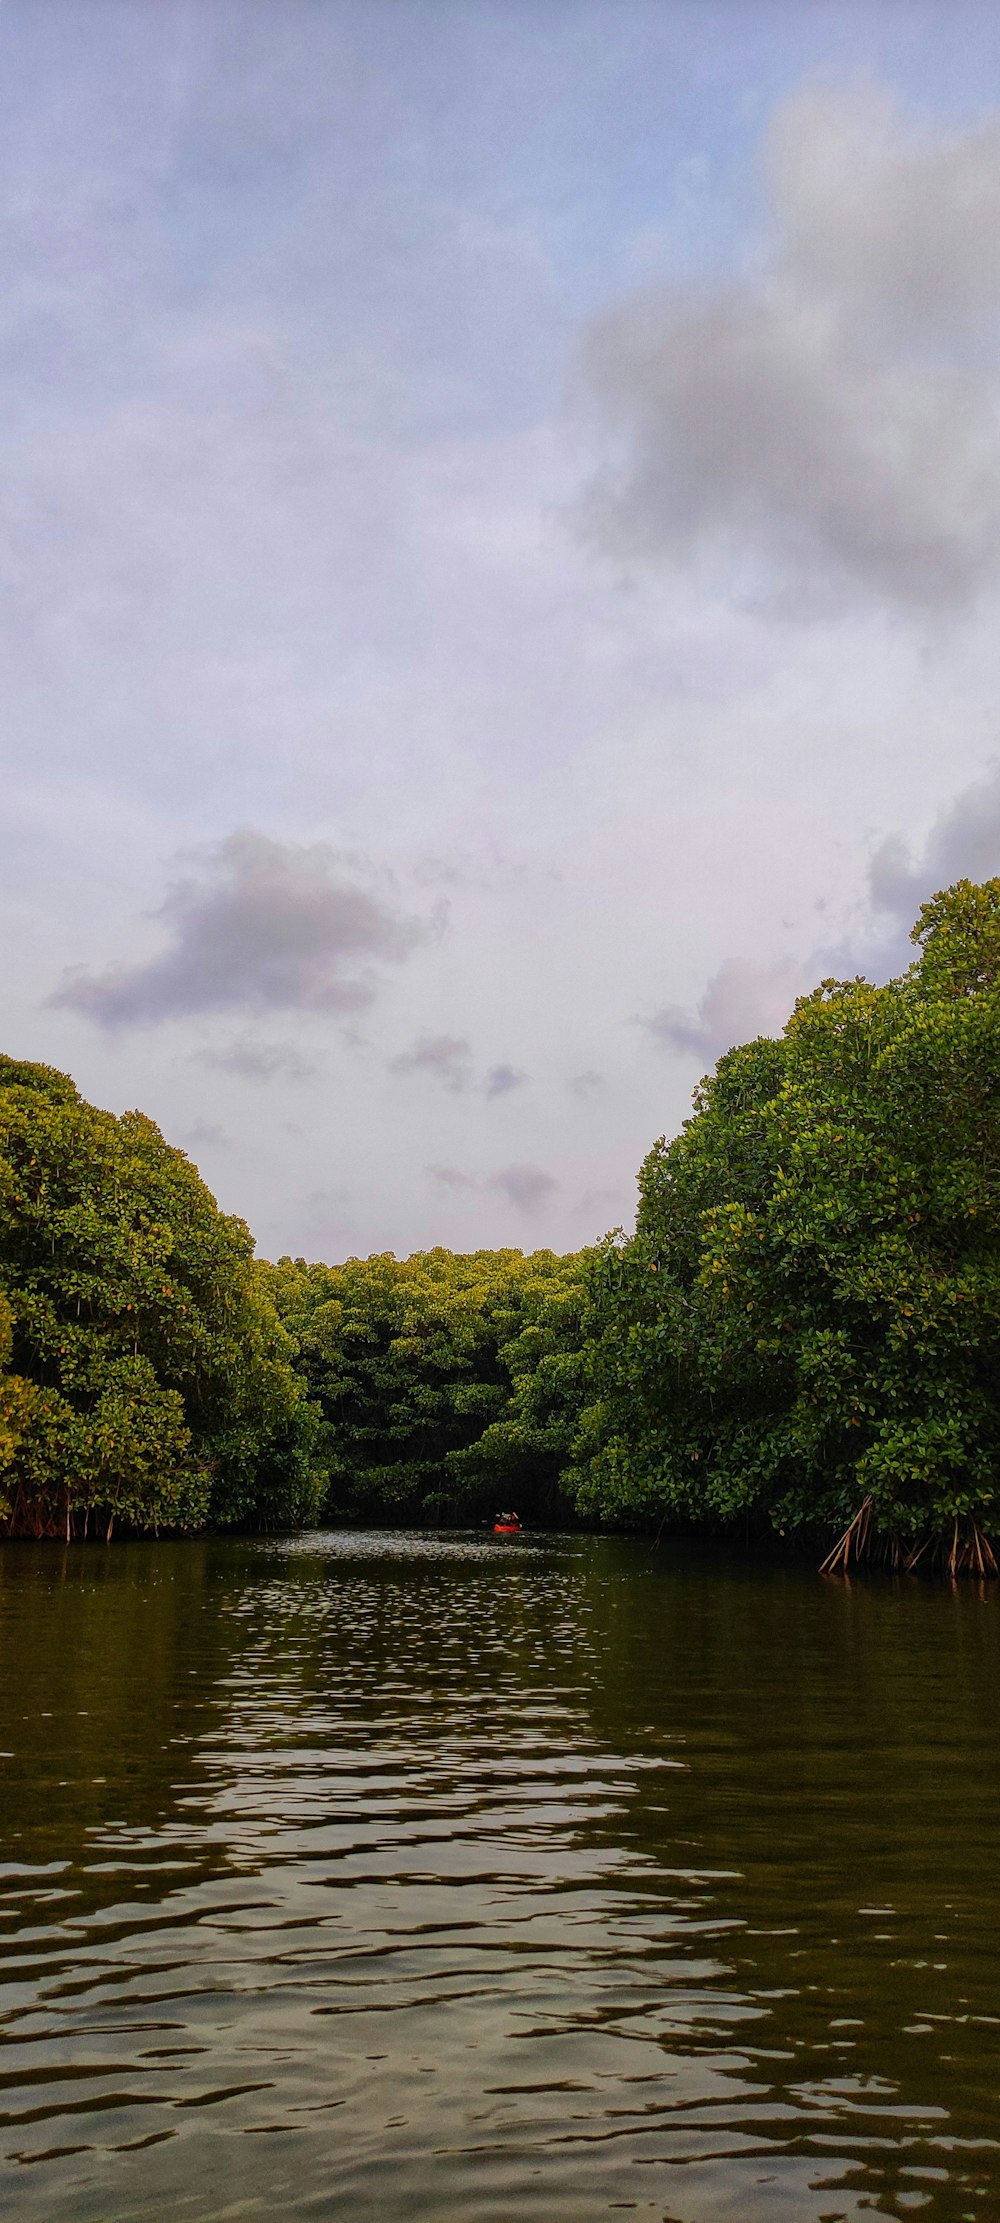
17,1399
151,1379
448,1384
806,1319
809,1311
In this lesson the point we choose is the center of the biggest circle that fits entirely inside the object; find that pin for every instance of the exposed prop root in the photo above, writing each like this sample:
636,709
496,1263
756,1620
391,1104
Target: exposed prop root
854,1539
33,1517
966,1552
971,1554
39,1519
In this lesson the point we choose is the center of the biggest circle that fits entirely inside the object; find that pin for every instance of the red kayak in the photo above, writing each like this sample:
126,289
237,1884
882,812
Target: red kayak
506,1528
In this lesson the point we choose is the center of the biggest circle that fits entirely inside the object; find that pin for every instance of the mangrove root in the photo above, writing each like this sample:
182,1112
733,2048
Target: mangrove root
966,1551
855,1539
971,1554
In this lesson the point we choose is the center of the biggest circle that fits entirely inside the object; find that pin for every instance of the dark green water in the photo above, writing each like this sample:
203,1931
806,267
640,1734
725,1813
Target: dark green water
378,1877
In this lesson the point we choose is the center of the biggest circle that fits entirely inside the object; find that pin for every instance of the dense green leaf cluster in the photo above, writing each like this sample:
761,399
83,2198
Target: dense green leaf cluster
144,1374
449,1385
808,1314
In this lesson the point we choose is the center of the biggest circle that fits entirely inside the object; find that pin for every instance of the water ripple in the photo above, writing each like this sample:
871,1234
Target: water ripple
395,1877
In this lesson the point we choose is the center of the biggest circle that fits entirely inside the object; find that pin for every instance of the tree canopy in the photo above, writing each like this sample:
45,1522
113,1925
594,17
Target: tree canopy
144,1374
447,1383
807,1319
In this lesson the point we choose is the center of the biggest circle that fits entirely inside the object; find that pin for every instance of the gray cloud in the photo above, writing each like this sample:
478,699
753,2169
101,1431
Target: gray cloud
963,844
260,1061
584,1084
204,1133
526,1186
452,1177
445,1057
265,926
896,220
741,1001
744,999
827,426
502,1079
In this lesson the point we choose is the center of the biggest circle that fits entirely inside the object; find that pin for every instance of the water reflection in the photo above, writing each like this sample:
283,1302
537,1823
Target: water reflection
418,1877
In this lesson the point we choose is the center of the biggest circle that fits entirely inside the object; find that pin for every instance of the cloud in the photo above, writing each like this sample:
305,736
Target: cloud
452,1177
448,1058
259,1061
742,1000
897,220
204,1134
526,1186
445,1057
825,428
265,926
963,844
502,1079
584,1084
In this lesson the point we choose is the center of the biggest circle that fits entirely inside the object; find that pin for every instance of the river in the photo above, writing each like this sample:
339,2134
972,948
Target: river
379,1877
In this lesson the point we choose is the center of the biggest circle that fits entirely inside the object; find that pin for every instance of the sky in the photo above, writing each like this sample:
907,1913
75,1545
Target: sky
500,563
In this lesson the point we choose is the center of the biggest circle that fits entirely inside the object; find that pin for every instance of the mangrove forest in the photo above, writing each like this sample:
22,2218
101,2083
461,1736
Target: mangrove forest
799,1341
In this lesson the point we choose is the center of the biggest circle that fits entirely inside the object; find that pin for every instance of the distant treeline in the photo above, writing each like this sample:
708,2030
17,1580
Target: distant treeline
447,1385
801,1338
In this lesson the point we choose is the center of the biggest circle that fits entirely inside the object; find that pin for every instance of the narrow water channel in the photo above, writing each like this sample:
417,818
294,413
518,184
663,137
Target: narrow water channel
371,1878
